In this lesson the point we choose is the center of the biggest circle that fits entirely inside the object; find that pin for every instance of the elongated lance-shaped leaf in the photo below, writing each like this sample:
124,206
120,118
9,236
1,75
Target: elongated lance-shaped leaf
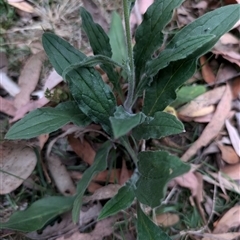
98,39
146,228
123,122
94,97
156,169
117,39
100,164
47,120
182,49
38,214
149,34
60,53
122,200
100,44
91,62
85,84
162,91
163,124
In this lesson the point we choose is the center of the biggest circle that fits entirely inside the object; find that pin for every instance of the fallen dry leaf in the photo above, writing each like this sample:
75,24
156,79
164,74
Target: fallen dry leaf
234,137
235,85
229,38
167,219
29,78
225,72
124,175
82,148
223,236
60,175
22,5
226,183
233,171
203,101
17,163
213,128
228,154
229,220
7,107
42,139
103,228
207,72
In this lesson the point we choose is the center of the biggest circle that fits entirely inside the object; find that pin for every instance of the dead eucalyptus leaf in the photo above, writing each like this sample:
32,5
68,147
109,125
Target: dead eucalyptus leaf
203,101
207,72
213,128
29,78
222,236
7,107
233,171
60,175
234,137
17,163
228,154
22,5
229,220
167,219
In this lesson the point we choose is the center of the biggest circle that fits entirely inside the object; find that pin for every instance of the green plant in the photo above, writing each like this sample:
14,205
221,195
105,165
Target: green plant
154,80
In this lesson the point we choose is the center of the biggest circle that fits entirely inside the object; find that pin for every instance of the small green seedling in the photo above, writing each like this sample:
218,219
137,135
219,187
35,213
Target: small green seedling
152,79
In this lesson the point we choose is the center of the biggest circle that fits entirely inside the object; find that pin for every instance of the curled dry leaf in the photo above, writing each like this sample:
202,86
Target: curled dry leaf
82,148
207,72
60,175
29,78
7,107
17,163
204,101
228,154
213,128
229,220
234,137
222,236
167,219
232,171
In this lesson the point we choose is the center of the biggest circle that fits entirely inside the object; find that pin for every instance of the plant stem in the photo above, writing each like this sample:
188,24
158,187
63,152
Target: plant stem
131,75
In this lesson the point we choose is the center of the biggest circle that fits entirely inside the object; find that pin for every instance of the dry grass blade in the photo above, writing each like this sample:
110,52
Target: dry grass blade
213,128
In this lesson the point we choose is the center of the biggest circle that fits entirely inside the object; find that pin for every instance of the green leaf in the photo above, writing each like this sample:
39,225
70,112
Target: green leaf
60,53
38,214
182,49
216,22
93,96
117,39
91,62
123,121
149,36
188,93
47,120
122,200
156,169
100,164
98,39
146,229
162,91
163,124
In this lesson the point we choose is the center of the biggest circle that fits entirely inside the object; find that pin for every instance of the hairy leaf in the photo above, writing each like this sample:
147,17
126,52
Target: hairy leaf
156,169
149,34
60,53
47,120
90,62
122,200
117,39
163,124
38,214
123,122
182,49
93,96
100,164
162,91
146,229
